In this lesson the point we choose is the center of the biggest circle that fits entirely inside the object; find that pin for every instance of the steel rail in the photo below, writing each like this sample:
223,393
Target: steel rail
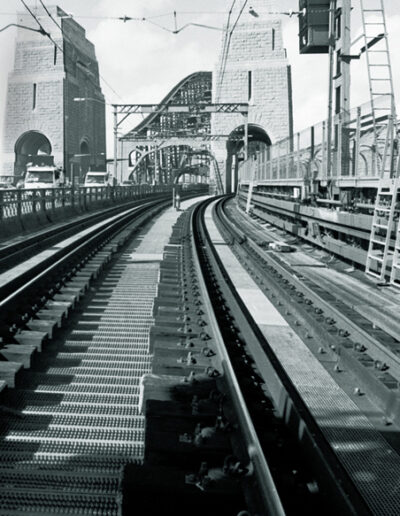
15,291
268,490
31,244
381,352
43,267
21,291
346,493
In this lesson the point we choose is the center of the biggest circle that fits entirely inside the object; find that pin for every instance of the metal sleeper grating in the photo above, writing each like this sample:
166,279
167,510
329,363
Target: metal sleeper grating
36,422
80,388
63,446
103,371
61,434
87,379
82,415
82,411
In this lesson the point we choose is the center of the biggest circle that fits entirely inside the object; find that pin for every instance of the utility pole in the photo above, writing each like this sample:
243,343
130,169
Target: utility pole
115,139
332,38
339,86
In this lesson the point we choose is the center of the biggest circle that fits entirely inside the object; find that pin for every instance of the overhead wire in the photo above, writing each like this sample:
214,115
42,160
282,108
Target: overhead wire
150,19
228,43
224,45
68,39
239,16
163,15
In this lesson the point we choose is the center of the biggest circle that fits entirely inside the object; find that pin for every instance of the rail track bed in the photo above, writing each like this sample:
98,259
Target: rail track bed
144,370
360,320
212,349
335,335
17,249
76,317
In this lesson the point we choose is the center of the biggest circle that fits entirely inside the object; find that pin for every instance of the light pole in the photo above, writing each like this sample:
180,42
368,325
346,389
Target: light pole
115,117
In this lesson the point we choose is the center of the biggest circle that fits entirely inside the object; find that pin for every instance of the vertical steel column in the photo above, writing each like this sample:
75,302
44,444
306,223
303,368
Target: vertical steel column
323,149
345,88
157,176
122,168
115,139
332,10
357,143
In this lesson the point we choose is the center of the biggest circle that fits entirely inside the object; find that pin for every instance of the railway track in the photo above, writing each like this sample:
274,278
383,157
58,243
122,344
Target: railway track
155,327
23,247
356,324
255,364
308,376
70,421
228,352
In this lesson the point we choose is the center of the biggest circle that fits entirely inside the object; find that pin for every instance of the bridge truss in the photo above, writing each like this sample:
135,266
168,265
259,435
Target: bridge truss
182,121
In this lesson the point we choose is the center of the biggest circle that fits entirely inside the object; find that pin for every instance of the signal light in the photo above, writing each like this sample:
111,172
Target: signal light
314,26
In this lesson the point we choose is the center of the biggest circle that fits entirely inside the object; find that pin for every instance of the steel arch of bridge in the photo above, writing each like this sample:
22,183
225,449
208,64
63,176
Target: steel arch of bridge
181,120
190,152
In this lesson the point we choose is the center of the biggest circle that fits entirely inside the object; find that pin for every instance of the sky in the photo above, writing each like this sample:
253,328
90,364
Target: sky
142,61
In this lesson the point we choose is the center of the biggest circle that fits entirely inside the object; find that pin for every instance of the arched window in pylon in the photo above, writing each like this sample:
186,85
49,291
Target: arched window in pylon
84,148
28,146
258,142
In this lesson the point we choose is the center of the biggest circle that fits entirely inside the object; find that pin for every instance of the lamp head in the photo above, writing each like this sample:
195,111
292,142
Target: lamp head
253,12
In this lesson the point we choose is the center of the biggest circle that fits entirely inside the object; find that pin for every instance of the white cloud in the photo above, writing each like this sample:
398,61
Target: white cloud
143,62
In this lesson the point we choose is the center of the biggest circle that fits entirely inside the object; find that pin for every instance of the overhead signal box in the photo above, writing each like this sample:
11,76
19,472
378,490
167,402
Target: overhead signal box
314,26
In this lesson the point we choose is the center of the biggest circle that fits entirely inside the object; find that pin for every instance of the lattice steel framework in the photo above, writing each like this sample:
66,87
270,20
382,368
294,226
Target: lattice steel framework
182,120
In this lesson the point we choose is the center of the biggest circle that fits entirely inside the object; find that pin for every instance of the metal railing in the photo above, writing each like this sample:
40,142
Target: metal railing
307,155
18,204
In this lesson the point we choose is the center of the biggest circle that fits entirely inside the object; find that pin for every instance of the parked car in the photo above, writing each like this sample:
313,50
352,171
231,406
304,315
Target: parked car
93,179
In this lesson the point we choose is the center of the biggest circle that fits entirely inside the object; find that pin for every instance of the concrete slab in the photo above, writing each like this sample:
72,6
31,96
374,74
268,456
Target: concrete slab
32,338
8,372
46,327
146,257
19,353
261,308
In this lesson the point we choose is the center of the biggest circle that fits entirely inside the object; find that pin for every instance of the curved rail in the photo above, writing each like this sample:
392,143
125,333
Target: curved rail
16,251
24,289
344,491
376,339
268,490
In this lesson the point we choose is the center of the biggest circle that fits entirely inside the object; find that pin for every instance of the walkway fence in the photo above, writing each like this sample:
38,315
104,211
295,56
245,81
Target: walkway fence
304,156
26,209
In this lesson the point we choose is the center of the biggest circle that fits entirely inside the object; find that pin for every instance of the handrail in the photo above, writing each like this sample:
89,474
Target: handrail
16,204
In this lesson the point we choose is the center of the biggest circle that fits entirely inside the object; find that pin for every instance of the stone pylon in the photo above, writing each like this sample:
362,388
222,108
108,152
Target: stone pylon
253,68
42,117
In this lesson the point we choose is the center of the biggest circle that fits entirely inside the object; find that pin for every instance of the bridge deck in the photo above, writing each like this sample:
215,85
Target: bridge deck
371,462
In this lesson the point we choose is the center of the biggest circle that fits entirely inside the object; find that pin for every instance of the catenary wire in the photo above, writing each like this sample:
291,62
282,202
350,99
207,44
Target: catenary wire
60,48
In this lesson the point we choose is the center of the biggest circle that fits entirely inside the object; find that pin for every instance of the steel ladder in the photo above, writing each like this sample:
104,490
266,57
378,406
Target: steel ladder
383,112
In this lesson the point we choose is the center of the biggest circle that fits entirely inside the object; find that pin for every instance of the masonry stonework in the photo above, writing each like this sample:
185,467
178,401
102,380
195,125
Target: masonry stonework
255,47
41,114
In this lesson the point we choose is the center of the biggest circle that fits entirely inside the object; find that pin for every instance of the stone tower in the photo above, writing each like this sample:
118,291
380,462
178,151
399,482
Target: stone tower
42,117
252,67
